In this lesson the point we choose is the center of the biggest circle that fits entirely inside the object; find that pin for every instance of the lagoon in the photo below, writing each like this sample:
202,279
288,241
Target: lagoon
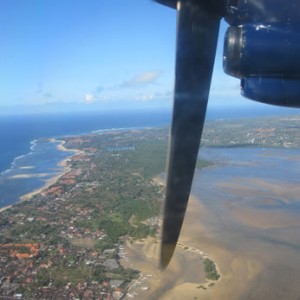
250,211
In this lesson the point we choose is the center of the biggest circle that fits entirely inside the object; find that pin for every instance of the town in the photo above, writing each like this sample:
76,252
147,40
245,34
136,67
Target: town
65,242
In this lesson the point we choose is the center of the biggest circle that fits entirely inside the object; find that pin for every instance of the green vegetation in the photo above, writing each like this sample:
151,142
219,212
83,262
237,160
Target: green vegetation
210,270
142,159
33,229
108,194
126,274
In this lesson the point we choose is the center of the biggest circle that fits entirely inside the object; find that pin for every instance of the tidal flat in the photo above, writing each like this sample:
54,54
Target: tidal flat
250,221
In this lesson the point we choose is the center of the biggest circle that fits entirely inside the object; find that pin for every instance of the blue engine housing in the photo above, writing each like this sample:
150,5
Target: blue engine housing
262,48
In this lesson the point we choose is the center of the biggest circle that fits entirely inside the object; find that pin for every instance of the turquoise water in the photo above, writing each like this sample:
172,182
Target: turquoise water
31,171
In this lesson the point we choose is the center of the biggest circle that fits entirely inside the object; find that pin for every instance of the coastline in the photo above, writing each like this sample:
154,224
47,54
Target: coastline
185,277
240,270
5,208
63,164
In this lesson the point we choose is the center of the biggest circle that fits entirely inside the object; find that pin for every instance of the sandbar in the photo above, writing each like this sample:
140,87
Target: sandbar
25,176
27,167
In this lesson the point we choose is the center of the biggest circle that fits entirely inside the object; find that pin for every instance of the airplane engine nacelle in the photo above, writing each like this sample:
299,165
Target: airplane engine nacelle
264,51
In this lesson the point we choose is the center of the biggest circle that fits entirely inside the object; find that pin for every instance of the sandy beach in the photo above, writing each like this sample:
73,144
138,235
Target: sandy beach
51,181
5,208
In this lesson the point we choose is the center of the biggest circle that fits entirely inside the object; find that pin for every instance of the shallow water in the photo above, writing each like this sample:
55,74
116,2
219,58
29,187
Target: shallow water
31,171
251,199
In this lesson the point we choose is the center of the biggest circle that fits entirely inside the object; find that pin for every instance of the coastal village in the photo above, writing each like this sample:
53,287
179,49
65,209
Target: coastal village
66,241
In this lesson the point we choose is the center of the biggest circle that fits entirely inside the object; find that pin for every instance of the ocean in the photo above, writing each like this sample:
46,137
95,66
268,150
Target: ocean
18,132
27,157
27,160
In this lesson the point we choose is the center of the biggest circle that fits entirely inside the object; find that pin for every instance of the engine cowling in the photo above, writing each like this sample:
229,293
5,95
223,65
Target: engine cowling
262,48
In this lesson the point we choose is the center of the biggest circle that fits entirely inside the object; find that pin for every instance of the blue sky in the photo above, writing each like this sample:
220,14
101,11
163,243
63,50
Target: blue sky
93,54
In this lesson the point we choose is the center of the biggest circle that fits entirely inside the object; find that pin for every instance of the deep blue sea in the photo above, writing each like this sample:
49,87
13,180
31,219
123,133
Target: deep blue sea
27,162
18,132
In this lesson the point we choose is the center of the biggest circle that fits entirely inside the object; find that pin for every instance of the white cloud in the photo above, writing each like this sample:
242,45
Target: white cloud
89,98
157,96
144,97
142,79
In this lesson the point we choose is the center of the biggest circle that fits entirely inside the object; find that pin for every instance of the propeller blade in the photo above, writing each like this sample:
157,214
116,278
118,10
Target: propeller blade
197,35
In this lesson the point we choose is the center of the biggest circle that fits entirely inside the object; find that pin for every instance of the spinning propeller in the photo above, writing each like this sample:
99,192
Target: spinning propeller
262,48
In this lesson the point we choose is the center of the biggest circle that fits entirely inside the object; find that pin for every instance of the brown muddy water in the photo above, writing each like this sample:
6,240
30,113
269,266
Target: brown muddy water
251,214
